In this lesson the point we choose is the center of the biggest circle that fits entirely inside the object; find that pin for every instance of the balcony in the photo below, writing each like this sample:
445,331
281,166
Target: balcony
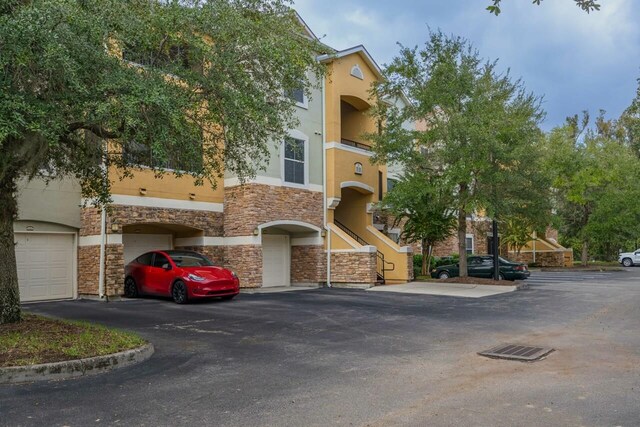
355,144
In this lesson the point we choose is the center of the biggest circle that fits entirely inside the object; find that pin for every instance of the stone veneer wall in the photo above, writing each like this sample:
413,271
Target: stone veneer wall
88,269
353,267
246,261
308,264
543,259
479,229
250,205
211,223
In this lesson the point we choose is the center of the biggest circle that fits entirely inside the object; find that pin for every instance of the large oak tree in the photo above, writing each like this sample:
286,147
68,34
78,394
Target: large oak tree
478,129
186,79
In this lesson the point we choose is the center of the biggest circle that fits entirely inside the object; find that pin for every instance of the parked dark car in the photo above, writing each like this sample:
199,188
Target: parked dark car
181,275
482,266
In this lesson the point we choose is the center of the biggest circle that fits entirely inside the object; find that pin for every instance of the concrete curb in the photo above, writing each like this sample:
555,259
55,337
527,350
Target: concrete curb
75,368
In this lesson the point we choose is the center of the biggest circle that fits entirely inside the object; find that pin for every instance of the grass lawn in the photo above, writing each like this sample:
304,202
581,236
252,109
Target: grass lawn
39,339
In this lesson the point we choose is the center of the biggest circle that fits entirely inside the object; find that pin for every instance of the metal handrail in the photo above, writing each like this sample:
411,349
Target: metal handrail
380,270
355,144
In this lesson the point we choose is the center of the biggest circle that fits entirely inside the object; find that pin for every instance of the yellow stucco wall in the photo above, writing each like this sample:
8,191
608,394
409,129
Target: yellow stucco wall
341,84
168,187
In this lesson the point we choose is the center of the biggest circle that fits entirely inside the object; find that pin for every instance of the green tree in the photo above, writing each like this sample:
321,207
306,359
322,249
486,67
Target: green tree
596,193
586,5
422,206
187,79
478,128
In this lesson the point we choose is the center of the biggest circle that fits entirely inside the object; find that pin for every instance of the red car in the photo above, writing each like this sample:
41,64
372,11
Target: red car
182,275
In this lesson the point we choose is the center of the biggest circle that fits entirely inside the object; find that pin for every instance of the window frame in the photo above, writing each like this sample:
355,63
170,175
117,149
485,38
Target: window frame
294,134
473,244
305,100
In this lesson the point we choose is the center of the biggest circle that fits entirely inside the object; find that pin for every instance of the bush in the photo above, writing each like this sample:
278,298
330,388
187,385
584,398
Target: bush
435,262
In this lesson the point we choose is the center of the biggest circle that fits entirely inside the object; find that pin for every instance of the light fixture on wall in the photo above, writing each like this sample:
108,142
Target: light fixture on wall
256,231
192,196
323,233
143,191
114,227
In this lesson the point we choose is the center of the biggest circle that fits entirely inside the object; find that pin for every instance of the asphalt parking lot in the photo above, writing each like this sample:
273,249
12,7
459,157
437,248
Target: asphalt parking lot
350,357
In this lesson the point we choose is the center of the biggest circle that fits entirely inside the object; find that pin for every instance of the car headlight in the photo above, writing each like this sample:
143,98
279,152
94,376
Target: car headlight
195,278
434,270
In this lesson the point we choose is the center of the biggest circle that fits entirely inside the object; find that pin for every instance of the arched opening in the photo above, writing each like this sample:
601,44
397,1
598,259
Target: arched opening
353,205
290,252
144,237
354,121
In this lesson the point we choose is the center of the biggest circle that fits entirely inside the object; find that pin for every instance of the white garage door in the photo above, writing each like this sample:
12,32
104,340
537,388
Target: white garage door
275,260
137,244
45,266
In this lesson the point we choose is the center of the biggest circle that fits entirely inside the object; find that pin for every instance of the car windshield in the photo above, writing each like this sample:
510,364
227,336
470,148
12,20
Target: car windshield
190,259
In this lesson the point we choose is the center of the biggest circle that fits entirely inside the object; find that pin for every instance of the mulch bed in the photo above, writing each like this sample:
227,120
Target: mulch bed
37,339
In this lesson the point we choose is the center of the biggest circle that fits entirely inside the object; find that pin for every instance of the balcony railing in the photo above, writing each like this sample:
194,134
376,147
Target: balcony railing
355,144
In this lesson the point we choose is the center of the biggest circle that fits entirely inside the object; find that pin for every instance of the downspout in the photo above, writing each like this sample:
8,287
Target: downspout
103,228
103,241
324,182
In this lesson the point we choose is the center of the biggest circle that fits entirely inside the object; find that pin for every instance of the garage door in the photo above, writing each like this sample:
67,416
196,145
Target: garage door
45,266
275,260
137,244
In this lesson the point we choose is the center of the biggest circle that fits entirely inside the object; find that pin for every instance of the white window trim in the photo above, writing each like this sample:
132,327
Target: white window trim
296,134
305,100
473,243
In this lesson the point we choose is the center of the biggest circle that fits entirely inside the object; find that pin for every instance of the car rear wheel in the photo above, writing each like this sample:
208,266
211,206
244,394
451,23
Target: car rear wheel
443,275
179,292
130,288
627,262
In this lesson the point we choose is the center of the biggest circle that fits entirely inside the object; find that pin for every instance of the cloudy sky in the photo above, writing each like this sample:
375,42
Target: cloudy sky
575,60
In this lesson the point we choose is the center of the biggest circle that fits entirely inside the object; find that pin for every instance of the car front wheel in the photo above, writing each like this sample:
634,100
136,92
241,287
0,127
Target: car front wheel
130,288
627,262
443,275
179,292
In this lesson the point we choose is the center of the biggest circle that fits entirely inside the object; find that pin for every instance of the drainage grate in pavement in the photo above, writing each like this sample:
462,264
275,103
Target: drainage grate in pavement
517,352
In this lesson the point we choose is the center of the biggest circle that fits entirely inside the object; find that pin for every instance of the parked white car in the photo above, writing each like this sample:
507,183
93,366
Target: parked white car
629,258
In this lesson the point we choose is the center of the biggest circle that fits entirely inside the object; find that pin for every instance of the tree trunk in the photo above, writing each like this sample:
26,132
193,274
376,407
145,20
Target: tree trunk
9,291
424,268
462,241
430,257
584,257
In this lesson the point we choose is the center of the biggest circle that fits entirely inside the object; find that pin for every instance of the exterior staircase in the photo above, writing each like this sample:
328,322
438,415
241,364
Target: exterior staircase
382,266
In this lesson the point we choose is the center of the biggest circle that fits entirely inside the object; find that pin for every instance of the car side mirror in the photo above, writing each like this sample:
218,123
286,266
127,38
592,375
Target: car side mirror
166,266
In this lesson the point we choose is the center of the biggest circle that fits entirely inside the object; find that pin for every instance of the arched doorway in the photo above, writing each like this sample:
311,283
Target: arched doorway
290,253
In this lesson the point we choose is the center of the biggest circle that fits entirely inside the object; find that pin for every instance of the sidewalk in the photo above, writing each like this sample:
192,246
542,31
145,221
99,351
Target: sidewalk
445,289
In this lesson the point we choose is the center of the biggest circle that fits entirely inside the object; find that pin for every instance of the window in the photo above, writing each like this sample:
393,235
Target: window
469,244
380,180
145,259
135,153
159,260
296,95
390,184
189,259
294,161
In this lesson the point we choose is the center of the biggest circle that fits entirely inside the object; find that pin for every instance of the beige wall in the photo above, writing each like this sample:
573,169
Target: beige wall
57,203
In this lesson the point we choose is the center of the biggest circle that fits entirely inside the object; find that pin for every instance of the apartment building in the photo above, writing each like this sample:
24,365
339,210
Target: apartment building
305,220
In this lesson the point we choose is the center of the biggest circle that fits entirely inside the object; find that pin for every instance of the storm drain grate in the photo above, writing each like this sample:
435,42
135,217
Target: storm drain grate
517,352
